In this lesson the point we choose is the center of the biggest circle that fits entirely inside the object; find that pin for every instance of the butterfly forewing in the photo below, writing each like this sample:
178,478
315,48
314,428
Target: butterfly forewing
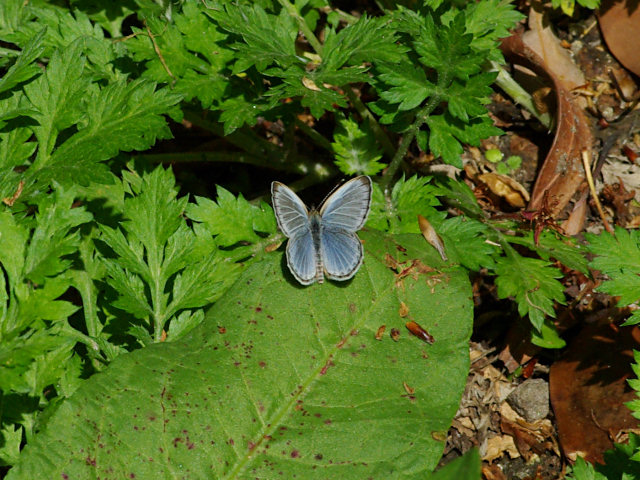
348,207
291,214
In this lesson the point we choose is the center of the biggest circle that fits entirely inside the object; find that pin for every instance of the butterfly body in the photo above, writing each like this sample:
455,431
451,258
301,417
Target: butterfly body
324,243
315,226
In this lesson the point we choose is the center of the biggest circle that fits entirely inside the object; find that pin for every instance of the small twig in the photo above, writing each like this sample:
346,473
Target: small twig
157,50
12,199
586,162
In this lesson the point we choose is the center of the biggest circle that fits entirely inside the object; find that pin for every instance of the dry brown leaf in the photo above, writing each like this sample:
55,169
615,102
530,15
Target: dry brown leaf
620,24
505,187
557,60
575,223
499,445
493,472
561,173
310,84
588,388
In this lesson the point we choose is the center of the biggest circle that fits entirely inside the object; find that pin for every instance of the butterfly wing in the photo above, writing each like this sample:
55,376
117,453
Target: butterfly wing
343,213
293,219
291,214
342,253
301,257
348,207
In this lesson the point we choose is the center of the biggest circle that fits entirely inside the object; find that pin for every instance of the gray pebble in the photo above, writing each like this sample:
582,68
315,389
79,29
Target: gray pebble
530,399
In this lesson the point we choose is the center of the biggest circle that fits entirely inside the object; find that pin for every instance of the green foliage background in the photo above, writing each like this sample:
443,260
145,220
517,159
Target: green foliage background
103,254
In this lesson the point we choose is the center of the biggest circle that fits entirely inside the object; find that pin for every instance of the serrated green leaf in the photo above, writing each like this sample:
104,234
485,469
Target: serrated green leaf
11,440
457,194
448,132
368,40
466,99
616,255
465,241
194,54
161,266
184,323
132,297
355,148
16,142
409,198
446,48
122,117
552,245
58,96
408,85
442,142
533,284
310,89
155,213
302,411
488,21
547,336
268,38
230,219
619,258
53,239
24,360
14,241
582,470
24,68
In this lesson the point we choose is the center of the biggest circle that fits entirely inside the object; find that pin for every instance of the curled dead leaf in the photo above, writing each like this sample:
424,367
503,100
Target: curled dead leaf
505,187
430,235
561,173
272,247
403,311
310,84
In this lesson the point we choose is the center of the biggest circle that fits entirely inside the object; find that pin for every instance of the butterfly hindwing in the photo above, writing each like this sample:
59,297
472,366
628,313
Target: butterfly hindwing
301,257
341,253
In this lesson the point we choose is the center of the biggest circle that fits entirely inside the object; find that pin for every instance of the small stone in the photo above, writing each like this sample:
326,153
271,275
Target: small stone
531,399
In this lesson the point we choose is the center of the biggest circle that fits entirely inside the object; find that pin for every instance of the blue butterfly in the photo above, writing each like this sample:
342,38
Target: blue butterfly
324,242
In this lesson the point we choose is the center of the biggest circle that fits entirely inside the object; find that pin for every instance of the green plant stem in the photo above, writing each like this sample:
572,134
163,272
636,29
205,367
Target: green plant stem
260,152
246,140
304,28
421,118
347,17
314,136
85,339
219,157
365,113
512,88
156,287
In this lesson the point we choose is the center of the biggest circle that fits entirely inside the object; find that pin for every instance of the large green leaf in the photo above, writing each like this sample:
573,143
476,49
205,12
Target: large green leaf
281,381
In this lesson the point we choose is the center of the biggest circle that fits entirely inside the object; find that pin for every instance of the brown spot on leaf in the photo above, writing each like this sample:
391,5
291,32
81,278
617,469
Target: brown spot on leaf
395,334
